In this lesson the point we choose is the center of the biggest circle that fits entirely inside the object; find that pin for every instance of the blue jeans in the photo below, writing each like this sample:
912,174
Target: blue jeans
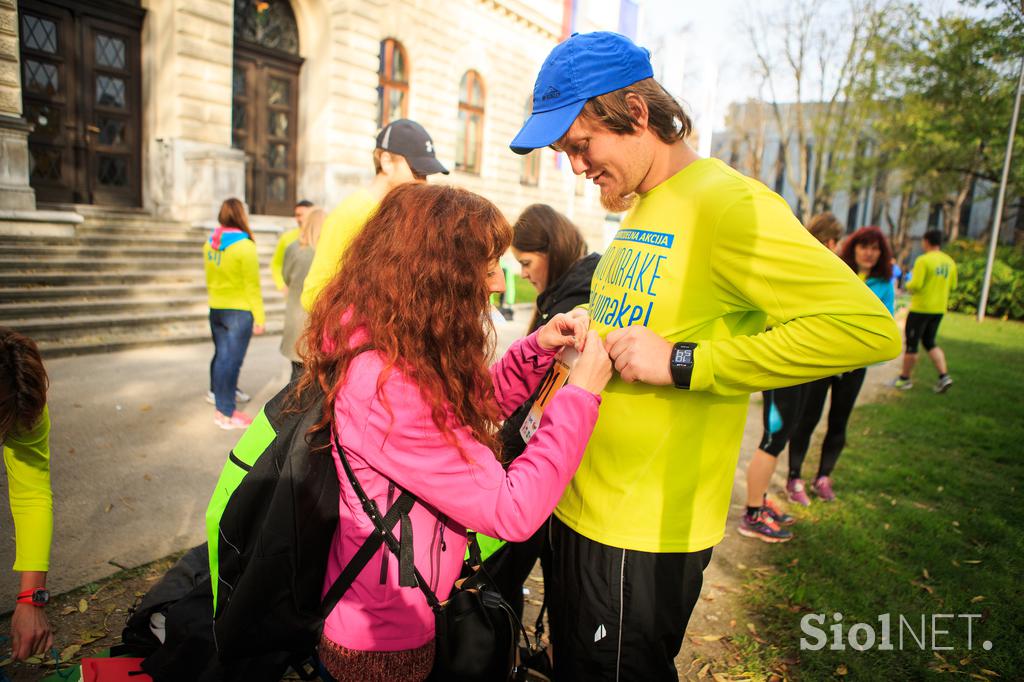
231,330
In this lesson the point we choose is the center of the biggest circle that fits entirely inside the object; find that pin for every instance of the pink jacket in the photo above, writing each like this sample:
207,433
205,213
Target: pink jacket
453,494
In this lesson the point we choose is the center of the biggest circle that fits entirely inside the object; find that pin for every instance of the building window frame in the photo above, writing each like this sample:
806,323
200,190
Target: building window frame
393,79
470,133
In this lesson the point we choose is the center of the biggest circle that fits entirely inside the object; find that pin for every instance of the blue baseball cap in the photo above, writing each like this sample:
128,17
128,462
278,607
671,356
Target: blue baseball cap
584,66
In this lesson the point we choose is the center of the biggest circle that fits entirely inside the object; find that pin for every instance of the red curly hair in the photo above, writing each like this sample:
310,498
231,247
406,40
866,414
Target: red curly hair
869,234
414,281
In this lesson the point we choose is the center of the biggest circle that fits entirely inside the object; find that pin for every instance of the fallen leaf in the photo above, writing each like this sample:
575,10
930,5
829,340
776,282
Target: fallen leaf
928,588
965,661
742,567
145,408
732,623
35,660
940,488
147,477
975,600
710,638
919,505
886,526
704,671
109,507
955,562
69,652
720,677
924,572
7,661
793,563
842,669
976,676
69,610
990,673
972,561
82,605
893,501
71,451
956,523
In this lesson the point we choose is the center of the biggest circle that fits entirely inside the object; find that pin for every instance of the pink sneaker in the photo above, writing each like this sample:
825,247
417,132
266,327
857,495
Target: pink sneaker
796,492
822,487
238,420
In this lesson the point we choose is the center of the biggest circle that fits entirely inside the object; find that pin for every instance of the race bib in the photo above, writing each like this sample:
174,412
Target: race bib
556,377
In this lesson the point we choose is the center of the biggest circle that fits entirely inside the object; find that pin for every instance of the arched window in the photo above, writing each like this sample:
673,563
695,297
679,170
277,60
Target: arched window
530,174
469,135
267,23
393,86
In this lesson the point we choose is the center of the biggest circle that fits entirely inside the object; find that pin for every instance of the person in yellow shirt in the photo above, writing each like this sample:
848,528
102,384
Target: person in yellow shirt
25,432
287,238
236,307
404,153
681,297
933,277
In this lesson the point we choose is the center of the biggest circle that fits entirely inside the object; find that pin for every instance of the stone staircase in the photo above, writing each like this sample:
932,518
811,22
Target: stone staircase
124,280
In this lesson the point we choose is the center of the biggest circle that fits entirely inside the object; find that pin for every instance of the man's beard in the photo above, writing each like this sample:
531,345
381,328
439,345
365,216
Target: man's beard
617,203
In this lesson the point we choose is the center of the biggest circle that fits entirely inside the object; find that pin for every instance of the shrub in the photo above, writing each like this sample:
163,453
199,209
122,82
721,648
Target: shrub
1006,292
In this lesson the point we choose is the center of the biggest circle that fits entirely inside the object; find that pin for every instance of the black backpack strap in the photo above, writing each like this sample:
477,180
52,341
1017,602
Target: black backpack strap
409,575
358,562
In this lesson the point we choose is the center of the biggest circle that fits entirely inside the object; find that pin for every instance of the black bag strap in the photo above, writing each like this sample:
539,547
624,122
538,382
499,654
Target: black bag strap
358,562
409,575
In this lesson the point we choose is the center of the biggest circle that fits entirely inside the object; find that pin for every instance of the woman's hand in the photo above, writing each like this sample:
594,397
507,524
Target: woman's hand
593,368
30,632
564,330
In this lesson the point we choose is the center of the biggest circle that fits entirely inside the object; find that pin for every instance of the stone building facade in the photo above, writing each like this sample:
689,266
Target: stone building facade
166,107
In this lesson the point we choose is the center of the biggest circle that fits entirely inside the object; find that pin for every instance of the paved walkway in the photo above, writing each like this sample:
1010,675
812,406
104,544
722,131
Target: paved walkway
135,454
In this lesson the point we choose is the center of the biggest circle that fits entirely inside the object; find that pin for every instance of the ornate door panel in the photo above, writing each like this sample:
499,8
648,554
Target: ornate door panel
265,102
81,91
264,126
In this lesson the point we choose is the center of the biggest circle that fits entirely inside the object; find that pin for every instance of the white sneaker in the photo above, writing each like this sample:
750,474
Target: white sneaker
240,397
943,384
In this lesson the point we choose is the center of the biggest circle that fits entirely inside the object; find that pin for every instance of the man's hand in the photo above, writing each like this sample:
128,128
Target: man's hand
258,329
640,355
564,330
30,632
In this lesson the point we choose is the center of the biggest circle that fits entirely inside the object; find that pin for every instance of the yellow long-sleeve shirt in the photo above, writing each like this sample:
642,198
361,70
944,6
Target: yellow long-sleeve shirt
277,260
933,277
233,274
707,257
27,458
339,227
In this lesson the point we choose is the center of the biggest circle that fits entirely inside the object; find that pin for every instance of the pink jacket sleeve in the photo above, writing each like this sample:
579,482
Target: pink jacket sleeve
519,372
473,490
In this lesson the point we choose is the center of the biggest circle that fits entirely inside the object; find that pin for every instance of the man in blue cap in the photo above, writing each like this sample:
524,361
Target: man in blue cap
681,298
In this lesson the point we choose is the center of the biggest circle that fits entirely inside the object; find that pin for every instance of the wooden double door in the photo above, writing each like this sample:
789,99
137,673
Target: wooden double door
265,100
81,91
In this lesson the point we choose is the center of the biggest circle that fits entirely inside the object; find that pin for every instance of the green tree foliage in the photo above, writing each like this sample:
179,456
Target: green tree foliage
1006,293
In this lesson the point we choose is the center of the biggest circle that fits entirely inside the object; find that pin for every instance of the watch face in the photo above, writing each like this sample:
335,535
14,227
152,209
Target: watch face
41,596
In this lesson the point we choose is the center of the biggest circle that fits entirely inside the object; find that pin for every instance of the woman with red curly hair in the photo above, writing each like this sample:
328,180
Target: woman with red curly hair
867,253
398,342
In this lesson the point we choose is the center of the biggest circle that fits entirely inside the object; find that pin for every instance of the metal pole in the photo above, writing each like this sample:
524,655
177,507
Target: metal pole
997,218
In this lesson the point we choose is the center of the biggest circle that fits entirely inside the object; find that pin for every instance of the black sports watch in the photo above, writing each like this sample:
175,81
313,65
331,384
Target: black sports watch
681,364
36,597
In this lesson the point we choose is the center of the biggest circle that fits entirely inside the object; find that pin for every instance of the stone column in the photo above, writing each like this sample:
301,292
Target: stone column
15,192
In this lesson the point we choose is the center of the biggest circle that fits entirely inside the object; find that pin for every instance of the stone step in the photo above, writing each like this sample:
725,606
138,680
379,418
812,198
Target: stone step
54,328
11,244
36,252
101,292
69,307
54,278
105,264
187,332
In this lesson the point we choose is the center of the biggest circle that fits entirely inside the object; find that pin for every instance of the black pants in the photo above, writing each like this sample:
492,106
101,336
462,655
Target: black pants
921,328
845,388
789,405
510,566
617,614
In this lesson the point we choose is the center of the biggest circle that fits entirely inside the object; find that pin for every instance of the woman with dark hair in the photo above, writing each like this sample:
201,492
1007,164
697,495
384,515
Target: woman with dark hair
25,433
553,256
236,308
398,341
867,253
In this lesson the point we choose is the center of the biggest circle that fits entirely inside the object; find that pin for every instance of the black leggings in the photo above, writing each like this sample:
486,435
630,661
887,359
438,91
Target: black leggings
845,388
789,405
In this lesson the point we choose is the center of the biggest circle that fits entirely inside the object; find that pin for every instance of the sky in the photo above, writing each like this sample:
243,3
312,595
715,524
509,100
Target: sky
703,56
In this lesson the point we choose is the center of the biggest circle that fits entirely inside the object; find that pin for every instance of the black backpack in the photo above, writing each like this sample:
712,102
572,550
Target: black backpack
257,609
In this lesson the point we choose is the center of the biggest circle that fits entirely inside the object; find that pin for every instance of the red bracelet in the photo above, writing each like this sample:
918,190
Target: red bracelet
37,596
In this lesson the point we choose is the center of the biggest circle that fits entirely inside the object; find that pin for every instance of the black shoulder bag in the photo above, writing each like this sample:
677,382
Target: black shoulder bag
476,631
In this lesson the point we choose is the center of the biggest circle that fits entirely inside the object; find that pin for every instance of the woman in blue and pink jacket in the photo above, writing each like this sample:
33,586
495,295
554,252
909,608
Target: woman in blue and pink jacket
400,340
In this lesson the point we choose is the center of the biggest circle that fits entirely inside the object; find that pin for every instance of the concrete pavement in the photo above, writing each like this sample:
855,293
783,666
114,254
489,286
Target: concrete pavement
135,454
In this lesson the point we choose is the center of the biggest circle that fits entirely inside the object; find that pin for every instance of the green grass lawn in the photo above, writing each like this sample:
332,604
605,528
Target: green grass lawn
928,522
